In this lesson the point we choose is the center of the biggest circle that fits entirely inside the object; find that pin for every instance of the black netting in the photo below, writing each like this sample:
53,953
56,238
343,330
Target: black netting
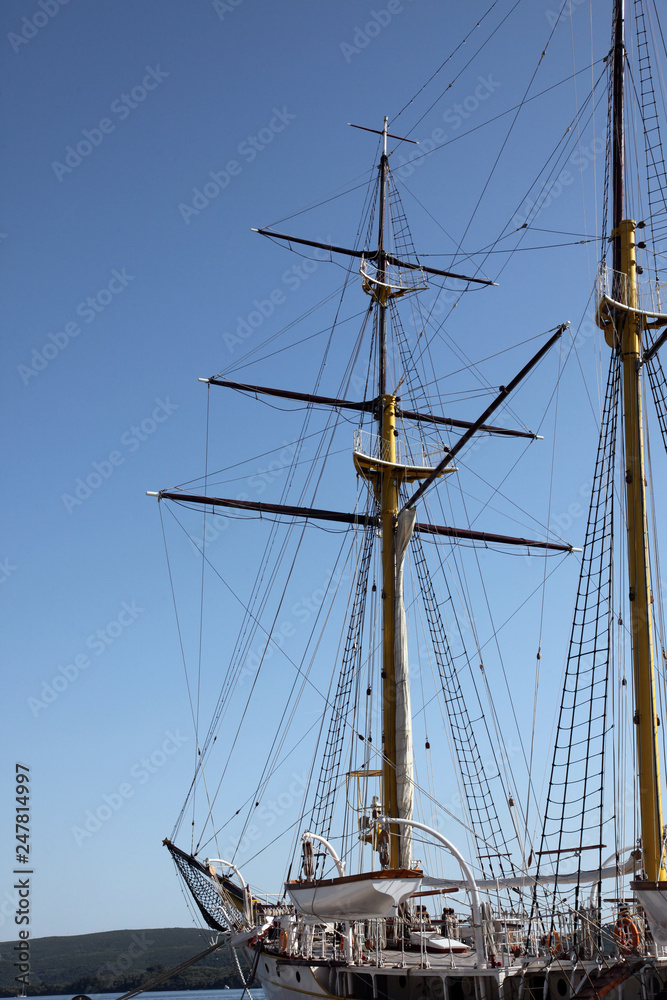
204,893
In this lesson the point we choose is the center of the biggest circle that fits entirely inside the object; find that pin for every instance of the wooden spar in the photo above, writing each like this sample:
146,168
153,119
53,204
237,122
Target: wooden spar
654,348
502,395
390,135
389,259
358,519
489,538
365,406
269,508
450,422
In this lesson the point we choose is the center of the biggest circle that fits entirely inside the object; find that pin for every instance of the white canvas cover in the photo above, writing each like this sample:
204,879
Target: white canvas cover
357,897
404,758
653,897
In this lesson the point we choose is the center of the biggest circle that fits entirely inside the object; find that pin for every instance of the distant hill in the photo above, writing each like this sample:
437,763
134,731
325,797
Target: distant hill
117,961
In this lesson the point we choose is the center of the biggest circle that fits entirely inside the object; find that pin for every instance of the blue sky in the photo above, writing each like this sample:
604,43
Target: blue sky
143,140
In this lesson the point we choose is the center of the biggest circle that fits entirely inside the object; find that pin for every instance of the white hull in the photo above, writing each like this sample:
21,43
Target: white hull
285,979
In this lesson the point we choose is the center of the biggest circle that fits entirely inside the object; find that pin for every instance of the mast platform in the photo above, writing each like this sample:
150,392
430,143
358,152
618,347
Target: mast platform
389,281
412,461
613,295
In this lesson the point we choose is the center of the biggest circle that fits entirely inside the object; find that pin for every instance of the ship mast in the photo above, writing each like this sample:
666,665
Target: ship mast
623,331
388,497
386,464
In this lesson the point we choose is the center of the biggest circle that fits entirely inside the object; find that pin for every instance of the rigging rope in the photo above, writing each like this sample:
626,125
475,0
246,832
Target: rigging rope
574,809
325,794
477,789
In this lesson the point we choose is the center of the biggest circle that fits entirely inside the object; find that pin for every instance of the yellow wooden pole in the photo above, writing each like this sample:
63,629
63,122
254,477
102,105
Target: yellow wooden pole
388,513
638,565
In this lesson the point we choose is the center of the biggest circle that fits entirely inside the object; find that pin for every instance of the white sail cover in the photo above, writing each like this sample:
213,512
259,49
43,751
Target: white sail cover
653,897
404,759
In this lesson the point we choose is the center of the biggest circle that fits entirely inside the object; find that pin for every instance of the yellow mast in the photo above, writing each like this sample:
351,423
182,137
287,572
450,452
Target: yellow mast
386,485
629,325
386,471
623,322
388,496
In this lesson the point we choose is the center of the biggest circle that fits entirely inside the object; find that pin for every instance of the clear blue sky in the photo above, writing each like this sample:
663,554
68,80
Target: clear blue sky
122,286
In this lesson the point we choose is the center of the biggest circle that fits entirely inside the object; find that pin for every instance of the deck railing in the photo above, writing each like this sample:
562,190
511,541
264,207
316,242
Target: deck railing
417,454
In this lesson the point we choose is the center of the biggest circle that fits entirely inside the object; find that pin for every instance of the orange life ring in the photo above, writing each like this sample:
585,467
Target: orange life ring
284,940
626,935
552,942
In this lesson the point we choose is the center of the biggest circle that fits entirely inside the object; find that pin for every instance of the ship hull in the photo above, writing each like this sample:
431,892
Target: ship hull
283,978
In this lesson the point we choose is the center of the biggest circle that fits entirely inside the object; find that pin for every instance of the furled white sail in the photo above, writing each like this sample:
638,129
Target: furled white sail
404,757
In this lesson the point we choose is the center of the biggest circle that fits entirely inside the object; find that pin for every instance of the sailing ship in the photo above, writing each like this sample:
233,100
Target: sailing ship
581,908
